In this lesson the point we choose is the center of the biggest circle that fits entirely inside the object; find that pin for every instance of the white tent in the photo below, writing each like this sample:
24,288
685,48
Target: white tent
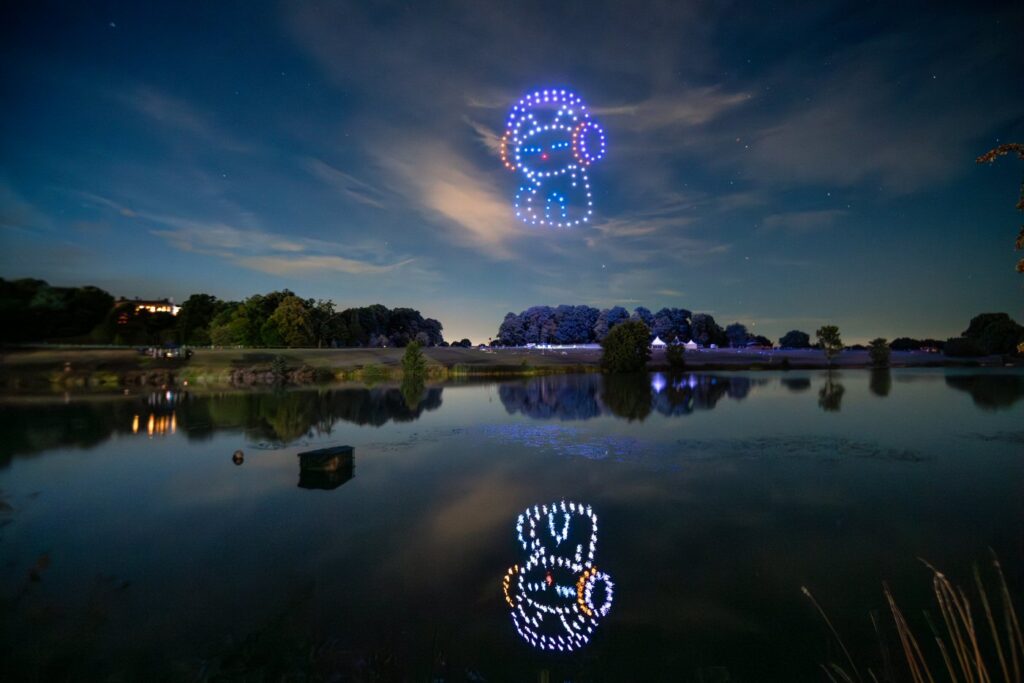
658,344
691,345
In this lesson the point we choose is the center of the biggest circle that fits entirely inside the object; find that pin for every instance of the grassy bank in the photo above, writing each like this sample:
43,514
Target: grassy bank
62,369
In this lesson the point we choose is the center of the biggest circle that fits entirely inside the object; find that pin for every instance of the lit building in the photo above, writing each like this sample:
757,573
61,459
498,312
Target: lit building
152,306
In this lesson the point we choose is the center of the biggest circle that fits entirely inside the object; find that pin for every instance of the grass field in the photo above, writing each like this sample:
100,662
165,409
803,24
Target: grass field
347,359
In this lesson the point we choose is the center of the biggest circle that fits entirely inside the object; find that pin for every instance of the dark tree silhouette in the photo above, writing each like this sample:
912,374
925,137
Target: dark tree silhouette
990,156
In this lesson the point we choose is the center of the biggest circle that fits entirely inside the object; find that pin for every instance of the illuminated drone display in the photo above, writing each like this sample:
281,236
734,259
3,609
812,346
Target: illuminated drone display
551,139
557,595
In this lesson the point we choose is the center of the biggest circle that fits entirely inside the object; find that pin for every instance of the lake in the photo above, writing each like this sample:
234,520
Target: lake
132,546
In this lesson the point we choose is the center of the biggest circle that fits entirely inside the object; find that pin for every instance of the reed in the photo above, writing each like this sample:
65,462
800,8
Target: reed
971,645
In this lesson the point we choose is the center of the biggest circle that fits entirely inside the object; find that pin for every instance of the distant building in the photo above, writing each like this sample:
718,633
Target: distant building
153,306
658,344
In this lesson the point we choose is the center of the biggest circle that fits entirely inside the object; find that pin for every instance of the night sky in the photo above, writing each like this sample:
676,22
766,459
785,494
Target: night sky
781,167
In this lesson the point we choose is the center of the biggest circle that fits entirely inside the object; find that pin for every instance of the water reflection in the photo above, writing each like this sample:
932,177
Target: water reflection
990,392
557,595
796,384
880,383
274,417
632,397
830,396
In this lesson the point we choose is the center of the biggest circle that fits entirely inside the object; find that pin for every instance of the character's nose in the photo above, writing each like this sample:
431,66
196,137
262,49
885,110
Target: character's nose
544,156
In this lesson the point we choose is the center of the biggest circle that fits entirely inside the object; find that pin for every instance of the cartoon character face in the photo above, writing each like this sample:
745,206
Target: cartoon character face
546,151
557,595
551,140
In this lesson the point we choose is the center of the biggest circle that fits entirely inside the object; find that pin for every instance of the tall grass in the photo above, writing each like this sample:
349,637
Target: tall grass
970,645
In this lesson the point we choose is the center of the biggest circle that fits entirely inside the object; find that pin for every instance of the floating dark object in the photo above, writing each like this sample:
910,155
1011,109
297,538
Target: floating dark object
326,468
238,457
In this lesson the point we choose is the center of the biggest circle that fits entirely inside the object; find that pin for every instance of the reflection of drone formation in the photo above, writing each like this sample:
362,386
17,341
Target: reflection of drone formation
557,596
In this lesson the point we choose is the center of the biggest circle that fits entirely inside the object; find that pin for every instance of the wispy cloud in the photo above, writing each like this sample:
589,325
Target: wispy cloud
346,184
303,264
490,138
184,117
255,249
446,187
687,107
266,252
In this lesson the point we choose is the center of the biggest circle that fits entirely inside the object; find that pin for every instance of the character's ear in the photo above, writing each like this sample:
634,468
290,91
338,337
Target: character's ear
588,143
559,529
506,154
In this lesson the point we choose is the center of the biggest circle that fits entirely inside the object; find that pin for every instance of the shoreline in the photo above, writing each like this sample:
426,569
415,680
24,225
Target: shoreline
63,369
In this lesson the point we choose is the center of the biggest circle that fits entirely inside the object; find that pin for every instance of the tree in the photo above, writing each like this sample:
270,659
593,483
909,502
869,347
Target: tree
289,325
990,156
322,321
795,339
737,335
675,355
963,347
626,347
830,342
644,315
511,332
878,350
230,326
414,363
705,331
995,333
671,324
195,317
608,319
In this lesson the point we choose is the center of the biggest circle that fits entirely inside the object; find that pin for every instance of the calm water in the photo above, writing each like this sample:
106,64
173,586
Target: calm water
131,546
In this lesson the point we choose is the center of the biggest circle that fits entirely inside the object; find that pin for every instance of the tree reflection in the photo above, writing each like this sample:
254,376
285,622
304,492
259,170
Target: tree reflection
627,396
631,396
276,417
796,384
990,392
880,383
830,396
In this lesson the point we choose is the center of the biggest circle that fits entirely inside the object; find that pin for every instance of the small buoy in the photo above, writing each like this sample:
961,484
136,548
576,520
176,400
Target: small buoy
238,457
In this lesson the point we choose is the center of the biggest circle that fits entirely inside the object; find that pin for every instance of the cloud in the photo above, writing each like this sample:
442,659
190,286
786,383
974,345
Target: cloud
346,184
303,264
180,115
488,136
801,222
445,186
690,107
259,250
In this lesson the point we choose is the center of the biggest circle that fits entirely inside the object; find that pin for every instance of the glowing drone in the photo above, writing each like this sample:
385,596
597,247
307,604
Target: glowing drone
551,139
557,596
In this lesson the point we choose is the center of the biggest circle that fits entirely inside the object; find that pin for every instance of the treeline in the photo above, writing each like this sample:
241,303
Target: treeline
588,325
283,319
33,311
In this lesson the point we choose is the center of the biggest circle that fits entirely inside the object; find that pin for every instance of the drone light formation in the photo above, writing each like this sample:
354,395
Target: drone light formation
557,595
551,140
